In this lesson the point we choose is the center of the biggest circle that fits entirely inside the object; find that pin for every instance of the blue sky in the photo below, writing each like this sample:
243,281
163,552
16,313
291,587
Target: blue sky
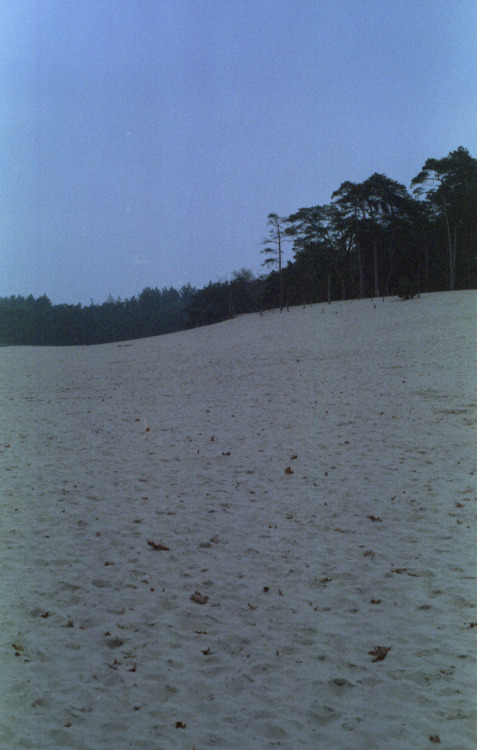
144,142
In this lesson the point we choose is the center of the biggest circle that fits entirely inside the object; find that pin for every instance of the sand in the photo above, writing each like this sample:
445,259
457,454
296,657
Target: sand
310,476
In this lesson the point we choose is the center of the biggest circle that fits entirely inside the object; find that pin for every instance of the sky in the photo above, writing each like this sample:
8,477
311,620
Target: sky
144,142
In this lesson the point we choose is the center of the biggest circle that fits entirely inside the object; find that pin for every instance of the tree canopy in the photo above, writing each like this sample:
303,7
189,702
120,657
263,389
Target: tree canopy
373,238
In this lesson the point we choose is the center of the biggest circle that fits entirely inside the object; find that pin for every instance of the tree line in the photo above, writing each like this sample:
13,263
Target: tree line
374,238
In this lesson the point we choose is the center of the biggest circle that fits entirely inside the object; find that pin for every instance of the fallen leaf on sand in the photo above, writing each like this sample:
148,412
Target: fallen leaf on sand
289,470
161,547
180,725
199,598
207,652
375,601
374,518
434,738
252,606
292,458
226,453
379,652
325,580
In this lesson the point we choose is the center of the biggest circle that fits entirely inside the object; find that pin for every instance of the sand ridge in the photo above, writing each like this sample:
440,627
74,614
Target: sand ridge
310,474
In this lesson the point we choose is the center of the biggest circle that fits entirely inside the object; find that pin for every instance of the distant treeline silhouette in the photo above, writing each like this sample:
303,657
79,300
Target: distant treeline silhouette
374,238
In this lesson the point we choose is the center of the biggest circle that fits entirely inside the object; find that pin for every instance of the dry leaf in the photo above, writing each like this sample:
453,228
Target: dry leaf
374,518
207,652
288,470
180,725
325,580
199,598
161,547
375,601
379,652
434,738
252,606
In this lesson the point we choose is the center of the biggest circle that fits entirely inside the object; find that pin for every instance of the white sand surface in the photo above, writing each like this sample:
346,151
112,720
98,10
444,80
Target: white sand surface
184,441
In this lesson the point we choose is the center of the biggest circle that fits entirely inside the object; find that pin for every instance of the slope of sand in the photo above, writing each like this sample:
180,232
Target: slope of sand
184,441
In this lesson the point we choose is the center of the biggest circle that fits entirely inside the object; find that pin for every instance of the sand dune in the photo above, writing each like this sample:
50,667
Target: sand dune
309,476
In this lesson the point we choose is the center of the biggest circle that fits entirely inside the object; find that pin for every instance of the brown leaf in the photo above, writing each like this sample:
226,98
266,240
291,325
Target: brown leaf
161,547
180,725
379,652
199,598
207,652
375,601
325,580
374,518
289,470
292,458
434,738
252,606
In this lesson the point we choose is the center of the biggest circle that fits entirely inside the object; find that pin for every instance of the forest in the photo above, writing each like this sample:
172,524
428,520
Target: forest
373,239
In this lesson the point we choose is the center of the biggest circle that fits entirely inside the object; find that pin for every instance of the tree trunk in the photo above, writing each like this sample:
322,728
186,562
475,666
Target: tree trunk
452,248
375,258
361,271
280,268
